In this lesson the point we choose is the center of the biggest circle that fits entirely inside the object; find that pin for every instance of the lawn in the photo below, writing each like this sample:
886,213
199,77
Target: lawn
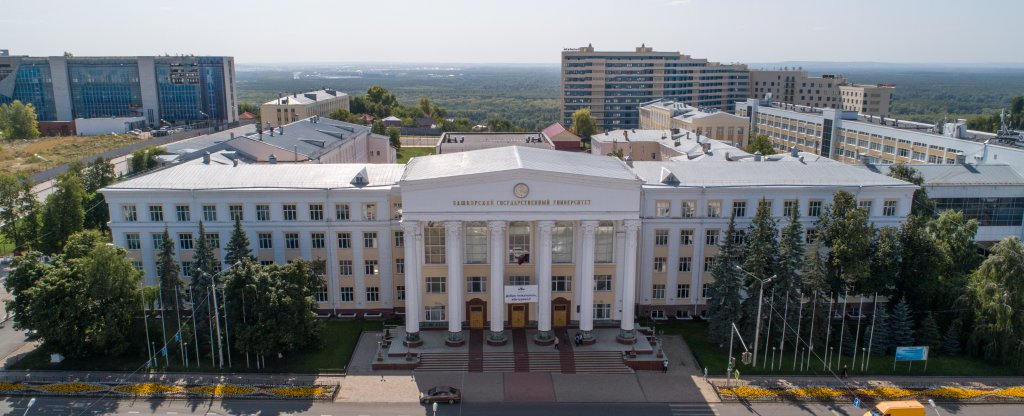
715,359
337,343
406,153
37,155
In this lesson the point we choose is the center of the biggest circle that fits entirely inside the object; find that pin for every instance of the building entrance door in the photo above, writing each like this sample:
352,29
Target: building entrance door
560,317
476,316
517,318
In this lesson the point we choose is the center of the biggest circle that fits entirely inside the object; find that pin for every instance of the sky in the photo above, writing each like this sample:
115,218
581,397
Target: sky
519,31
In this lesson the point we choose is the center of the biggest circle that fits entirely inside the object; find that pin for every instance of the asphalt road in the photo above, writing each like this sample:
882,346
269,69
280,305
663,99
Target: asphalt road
87,406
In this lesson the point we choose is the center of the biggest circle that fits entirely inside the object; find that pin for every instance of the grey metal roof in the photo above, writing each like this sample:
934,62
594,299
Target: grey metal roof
309,138
302,98
957,174
718,173
515,158
199,176
207,141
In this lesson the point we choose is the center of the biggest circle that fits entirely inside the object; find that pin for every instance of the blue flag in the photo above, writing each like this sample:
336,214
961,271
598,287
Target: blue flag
164,350
177,337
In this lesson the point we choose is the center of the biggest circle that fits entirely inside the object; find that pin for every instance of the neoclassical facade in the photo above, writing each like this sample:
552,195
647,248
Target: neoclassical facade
497,239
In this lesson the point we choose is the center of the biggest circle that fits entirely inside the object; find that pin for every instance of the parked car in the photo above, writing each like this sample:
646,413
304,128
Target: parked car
441,394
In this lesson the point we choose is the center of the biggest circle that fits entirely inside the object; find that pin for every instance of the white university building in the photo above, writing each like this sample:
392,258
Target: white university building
493,239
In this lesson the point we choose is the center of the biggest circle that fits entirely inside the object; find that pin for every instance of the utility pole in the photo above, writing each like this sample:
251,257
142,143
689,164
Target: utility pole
220,348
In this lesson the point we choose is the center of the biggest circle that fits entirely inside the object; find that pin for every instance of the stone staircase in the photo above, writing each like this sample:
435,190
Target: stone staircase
593,362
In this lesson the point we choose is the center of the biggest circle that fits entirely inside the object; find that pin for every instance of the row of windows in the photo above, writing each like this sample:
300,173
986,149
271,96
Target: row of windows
437,312
713,209
265,240
682,291
519,243
289,212
478,284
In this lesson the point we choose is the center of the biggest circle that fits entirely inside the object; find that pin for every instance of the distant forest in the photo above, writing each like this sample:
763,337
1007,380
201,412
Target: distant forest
528,95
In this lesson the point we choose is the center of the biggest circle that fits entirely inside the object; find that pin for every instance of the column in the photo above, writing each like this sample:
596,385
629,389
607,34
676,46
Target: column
413,294
543,265
587,279
453,258
626,333
497,259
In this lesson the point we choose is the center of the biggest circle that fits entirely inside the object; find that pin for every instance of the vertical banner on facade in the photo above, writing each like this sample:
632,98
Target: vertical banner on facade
521,294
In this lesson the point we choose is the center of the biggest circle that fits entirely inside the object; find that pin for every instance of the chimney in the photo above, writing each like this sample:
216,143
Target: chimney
629,160
234,162
961,158
232,135
281,130
206,158
272,159
757,156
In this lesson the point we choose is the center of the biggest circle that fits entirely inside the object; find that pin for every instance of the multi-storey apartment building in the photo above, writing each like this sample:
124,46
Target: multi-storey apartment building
873,99
507,237
614,84
290,108
794,86
708,122
154,89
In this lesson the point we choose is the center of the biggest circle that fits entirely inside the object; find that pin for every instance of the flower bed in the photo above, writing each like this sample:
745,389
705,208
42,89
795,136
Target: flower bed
821,393
887,392
750,392
168,391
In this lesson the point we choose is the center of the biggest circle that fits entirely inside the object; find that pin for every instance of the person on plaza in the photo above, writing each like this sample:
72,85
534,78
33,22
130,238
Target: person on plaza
846,372
556,343
664,366
705,374
736,374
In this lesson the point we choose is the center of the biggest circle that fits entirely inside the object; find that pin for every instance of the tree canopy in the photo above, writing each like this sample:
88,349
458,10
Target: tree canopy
760,144
583,124
18,121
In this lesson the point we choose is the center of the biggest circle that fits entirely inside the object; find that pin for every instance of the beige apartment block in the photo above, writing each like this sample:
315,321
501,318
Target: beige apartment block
707,122
871,99
612,85
291,108
795,86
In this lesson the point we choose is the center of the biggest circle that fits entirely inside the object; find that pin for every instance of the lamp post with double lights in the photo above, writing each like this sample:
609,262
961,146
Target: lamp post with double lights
760,301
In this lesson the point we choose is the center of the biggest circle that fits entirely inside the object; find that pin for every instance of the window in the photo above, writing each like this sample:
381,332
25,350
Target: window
369,212
291,213
263,213
683,291
561,283
685,263
561,243
235,212
370,240
345,240
158,241
266,262
659,291
316,212
370,267
685,237
209,213
212,240
345,267
435,313
889,208
865,204
739,237
317,240
399,239
789,206
156,213
519,280
396,211
400,292
603,283
291,240
400,266
266,240
130,214
659,264
434,243
186,269
661,237
137,265
810,235
603,243
348,294
132,241
814,208
476,243
476,284
711,237
321,293
373,294
689,208
704,291
602,311
519,242
183,213
185,241
662,209
436,285
709,263
739,209
714,209
341,212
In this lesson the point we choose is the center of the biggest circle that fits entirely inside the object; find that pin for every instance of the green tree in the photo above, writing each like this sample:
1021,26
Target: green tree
815,284
344,115
99,174
18,121
82,243
26,270
760,144
880,339
951,340
377,127
953,235
928,332
167,270
886,256
205,275
16,206
845,231
724,292
238,246
790,261
996,295
901,325
63,213
584,125
279,312
921,205
619,153
144,159
394,137
499,124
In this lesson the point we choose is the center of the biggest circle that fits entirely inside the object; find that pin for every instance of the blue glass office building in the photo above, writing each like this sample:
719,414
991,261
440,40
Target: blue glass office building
161,89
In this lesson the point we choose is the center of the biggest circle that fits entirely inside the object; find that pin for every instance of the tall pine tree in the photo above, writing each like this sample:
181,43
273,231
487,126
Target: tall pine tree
880,339
790,261
844,229
928,332
724,292
951,341
901,326
168,272
205,267
238,247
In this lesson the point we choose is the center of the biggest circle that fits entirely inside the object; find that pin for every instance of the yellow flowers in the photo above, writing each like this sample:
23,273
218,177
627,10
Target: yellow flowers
1017,392
299,391
5,386
71,388
817,392
886,392
750,392
146,389
223,390
955,393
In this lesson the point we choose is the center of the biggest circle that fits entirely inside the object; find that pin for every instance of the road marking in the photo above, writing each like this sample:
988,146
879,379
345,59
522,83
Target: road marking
134,412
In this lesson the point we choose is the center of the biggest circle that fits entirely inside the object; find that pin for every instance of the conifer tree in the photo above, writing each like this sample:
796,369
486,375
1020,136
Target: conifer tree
951,341
238,247
168,272
790,261
901,325
880,339
928,332
205,266
725,290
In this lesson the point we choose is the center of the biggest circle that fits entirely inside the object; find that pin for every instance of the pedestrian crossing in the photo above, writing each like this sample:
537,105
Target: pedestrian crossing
693,409
593,362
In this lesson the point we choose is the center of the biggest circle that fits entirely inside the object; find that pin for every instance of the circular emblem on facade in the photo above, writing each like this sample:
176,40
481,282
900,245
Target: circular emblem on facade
521,190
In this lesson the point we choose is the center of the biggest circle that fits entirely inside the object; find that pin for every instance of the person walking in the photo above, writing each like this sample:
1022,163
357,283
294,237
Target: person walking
556,343
664,366
736,374
846,373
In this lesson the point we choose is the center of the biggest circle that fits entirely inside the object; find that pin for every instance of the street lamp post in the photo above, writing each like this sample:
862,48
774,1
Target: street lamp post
32,402
760,301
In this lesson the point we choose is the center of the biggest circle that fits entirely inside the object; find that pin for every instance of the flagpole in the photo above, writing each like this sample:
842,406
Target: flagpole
768,336
227,334
220,348
163,318
799,318
145,320
871,338
177,309
785,320
810,338
856,338
195,330
828,334
842,328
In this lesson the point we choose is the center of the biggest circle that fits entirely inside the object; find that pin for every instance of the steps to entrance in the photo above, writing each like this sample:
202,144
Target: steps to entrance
592,362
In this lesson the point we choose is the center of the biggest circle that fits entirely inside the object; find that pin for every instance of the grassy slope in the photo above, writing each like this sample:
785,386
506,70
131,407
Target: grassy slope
407,153
20,156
